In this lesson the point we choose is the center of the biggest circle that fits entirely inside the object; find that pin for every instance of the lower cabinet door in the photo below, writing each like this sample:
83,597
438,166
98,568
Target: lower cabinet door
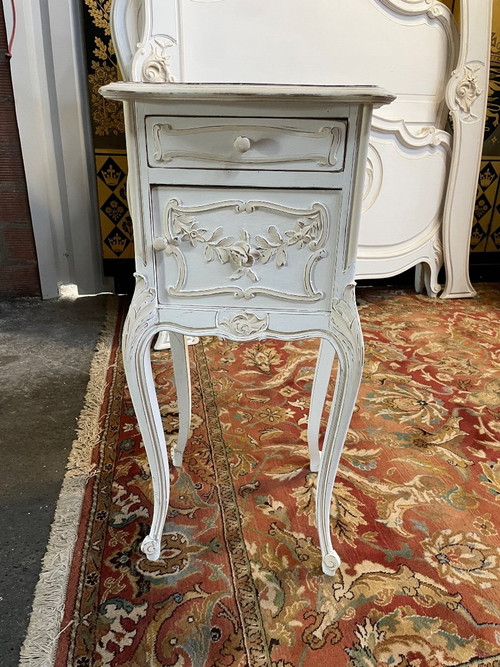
278,247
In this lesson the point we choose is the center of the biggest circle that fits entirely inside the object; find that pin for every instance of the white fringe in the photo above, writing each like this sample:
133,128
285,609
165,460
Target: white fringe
41,641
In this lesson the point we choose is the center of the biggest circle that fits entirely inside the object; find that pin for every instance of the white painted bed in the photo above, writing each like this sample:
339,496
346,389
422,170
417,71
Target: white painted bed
421,181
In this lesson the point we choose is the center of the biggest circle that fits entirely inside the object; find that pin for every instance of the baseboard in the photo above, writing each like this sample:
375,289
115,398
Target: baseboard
484,267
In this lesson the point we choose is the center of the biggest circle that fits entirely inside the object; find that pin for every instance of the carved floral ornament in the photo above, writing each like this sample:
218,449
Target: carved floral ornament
308,231
142,313
156,65
244,323
468,91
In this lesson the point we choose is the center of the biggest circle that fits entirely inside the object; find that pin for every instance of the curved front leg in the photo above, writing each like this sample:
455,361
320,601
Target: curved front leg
139,329
321,381
349,345
182,376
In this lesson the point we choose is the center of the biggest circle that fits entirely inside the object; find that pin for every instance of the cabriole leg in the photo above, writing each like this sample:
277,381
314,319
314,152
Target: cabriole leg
321,381
350,367
138,332
182,376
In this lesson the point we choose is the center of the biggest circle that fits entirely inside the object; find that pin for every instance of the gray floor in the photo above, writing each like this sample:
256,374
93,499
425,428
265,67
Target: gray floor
45,352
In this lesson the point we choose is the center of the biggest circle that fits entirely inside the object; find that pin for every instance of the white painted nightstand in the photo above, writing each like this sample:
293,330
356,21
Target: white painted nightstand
245,201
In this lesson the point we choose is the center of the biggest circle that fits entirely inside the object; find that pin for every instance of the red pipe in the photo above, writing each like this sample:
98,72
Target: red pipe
8,53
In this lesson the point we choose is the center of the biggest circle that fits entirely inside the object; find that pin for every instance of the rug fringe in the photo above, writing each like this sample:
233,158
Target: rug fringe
40,644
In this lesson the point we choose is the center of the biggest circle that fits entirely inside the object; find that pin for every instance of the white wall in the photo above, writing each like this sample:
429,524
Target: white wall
50,92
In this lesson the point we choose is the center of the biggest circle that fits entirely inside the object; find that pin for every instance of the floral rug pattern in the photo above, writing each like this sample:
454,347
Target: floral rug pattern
415,513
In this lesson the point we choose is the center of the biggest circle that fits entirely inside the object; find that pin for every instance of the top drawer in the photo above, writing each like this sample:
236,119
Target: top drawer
239,143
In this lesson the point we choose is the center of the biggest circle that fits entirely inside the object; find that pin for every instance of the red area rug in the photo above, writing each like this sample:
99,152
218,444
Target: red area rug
415,514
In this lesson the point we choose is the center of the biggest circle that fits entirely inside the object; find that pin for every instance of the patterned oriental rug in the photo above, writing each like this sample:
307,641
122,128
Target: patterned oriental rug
415,514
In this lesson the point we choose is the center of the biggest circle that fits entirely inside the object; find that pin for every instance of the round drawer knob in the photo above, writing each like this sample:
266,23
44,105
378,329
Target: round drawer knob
160,243
242,144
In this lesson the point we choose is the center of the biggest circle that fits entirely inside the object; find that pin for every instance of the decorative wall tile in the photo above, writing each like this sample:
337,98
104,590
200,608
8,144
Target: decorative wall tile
109,139
485,204
116,225
486,227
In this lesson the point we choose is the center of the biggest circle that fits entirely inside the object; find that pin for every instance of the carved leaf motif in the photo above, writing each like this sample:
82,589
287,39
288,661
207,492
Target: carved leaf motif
245,271
275,235
181,222
215,234
213,245
265,248
209,253
304,232
281,257
467,90
245,323
276,247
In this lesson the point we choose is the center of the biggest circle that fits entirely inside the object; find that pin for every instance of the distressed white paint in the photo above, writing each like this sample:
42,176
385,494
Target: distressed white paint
266,254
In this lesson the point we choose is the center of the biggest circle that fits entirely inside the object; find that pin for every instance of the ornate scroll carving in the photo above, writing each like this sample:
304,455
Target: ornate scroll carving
425,137
374,177
156,65
243,255
345,320
435,9
465,93
467,90
151,547
154,31
141,314
244,323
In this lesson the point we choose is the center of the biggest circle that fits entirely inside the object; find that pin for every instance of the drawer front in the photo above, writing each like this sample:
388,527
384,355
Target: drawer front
222,246
237,143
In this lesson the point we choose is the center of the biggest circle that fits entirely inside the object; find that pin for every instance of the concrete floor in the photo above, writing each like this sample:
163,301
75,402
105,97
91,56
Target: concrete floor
45,352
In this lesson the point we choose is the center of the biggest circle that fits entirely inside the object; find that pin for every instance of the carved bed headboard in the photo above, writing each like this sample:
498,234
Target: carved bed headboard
408,47
421,178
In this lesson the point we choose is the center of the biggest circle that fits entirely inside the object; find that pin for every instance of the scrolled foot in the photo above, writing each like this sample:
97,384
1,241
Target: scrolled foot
177,458
151,547
331,563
